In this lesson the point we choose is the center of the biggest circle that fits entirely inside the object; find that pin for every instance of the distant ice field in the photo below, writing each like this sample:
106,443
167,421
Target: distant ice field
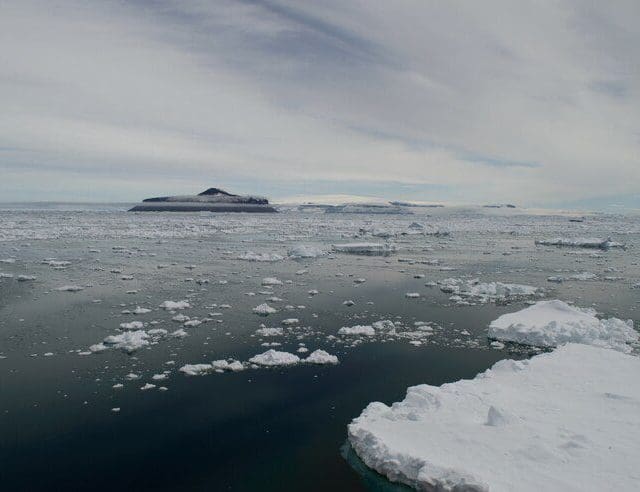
101,308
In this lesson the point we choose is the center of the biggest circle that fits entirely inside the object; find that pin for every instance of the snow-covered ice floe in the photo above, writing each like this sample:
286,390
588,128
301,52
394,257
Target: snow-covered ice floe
273,358
264,309
482,292
260,257
305,251
321,357
221,365
568,420
270,358
357,330
373,249
598,243
552,323
175,305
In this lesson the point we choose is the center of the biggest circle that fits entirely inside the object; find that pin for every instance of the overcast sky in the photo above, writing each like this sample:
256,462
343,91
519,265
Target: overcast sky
532,102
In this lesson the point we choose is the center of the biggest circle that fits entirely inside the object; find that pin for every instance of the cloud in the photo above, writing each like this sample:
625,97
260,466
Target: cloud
466,101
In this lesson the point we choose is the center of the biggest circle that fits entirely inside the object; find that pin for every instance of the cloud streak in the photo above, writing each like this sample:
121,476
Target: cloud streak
463,101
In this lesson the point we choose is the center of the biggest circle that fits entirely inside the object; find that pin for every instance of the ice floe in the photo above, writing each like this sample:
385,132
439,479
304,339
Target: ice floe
175,305
552,323
264,309
321,357
372,249
597,243
567,420
357,330
260,257
272,358
305,251
482,292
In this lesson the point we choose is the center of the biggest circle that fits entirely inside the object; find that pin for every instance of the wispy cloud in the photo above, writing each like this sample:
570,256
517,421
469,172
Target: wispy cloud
482,101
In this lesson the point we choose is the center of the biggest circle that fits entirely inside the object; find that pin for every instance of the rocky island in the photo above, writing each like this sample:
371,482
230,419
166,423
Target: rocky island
210,200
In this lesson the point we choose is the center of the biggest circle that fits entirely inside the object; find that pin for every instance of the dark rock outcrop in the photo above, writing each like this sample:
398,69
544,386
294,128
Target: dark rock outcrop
211,200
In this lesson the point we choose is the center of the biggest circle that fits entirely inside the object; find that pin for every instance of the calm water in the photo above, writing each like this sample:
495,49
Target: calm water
280,429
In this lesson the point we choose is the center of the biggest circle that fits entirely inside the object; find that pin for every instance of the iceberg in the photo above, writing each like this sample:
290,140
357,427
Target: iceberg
567,420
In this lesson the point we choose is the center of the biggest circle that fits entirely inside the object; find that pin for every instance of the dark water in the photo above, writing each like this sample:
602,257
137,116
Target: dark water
280,429
258,430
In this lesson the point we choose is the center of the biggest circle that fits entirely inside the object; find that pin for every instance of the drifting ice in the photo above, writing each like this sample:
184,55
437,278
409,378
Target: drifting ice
552,323
567,420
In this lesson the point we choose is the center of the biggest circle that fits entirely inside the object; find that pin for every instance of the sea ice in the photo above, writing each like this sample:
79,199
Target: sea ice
373,249
133,325
70,288
321,357
271,281
260,257
581,242
275,358
175,305
484,292
357,330
264,310
305,251
129,341
566,420
552,323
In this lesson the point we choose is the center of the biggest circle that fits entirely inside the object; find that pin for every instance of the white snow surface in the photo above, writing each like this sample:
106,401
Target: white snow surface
552,323
305,251
260,257
357,330
264,309
175,305
321,357
275,358
365,248
581,242
568,420
484,292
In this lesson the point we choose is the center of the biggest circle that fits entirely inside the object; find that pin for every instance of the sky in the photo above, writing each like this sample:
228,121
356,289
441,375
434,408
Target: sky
531,102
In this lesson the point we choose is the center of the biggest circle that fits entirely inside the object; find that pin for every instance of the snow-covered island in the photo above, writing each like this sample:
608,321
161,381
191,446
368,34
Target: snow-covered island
210,200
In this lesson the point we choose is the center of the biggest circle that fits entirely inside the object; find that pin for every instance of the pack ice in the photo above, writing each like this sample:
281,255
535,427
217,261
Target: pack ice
568,420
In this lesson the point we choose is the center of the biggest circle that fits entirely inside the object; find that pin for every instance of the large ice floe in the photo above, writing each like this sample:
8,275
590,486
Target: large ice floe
567,420
552,323
305,251
368,208
466,291
581,242
371,249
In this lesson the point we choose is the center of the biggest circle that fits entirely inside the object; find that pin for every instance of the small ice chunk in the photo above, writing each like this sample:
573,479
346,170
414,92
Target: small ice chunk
70,288
264,310
305,251
272,358
271,281
357,330
175,305
132,325
320,357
